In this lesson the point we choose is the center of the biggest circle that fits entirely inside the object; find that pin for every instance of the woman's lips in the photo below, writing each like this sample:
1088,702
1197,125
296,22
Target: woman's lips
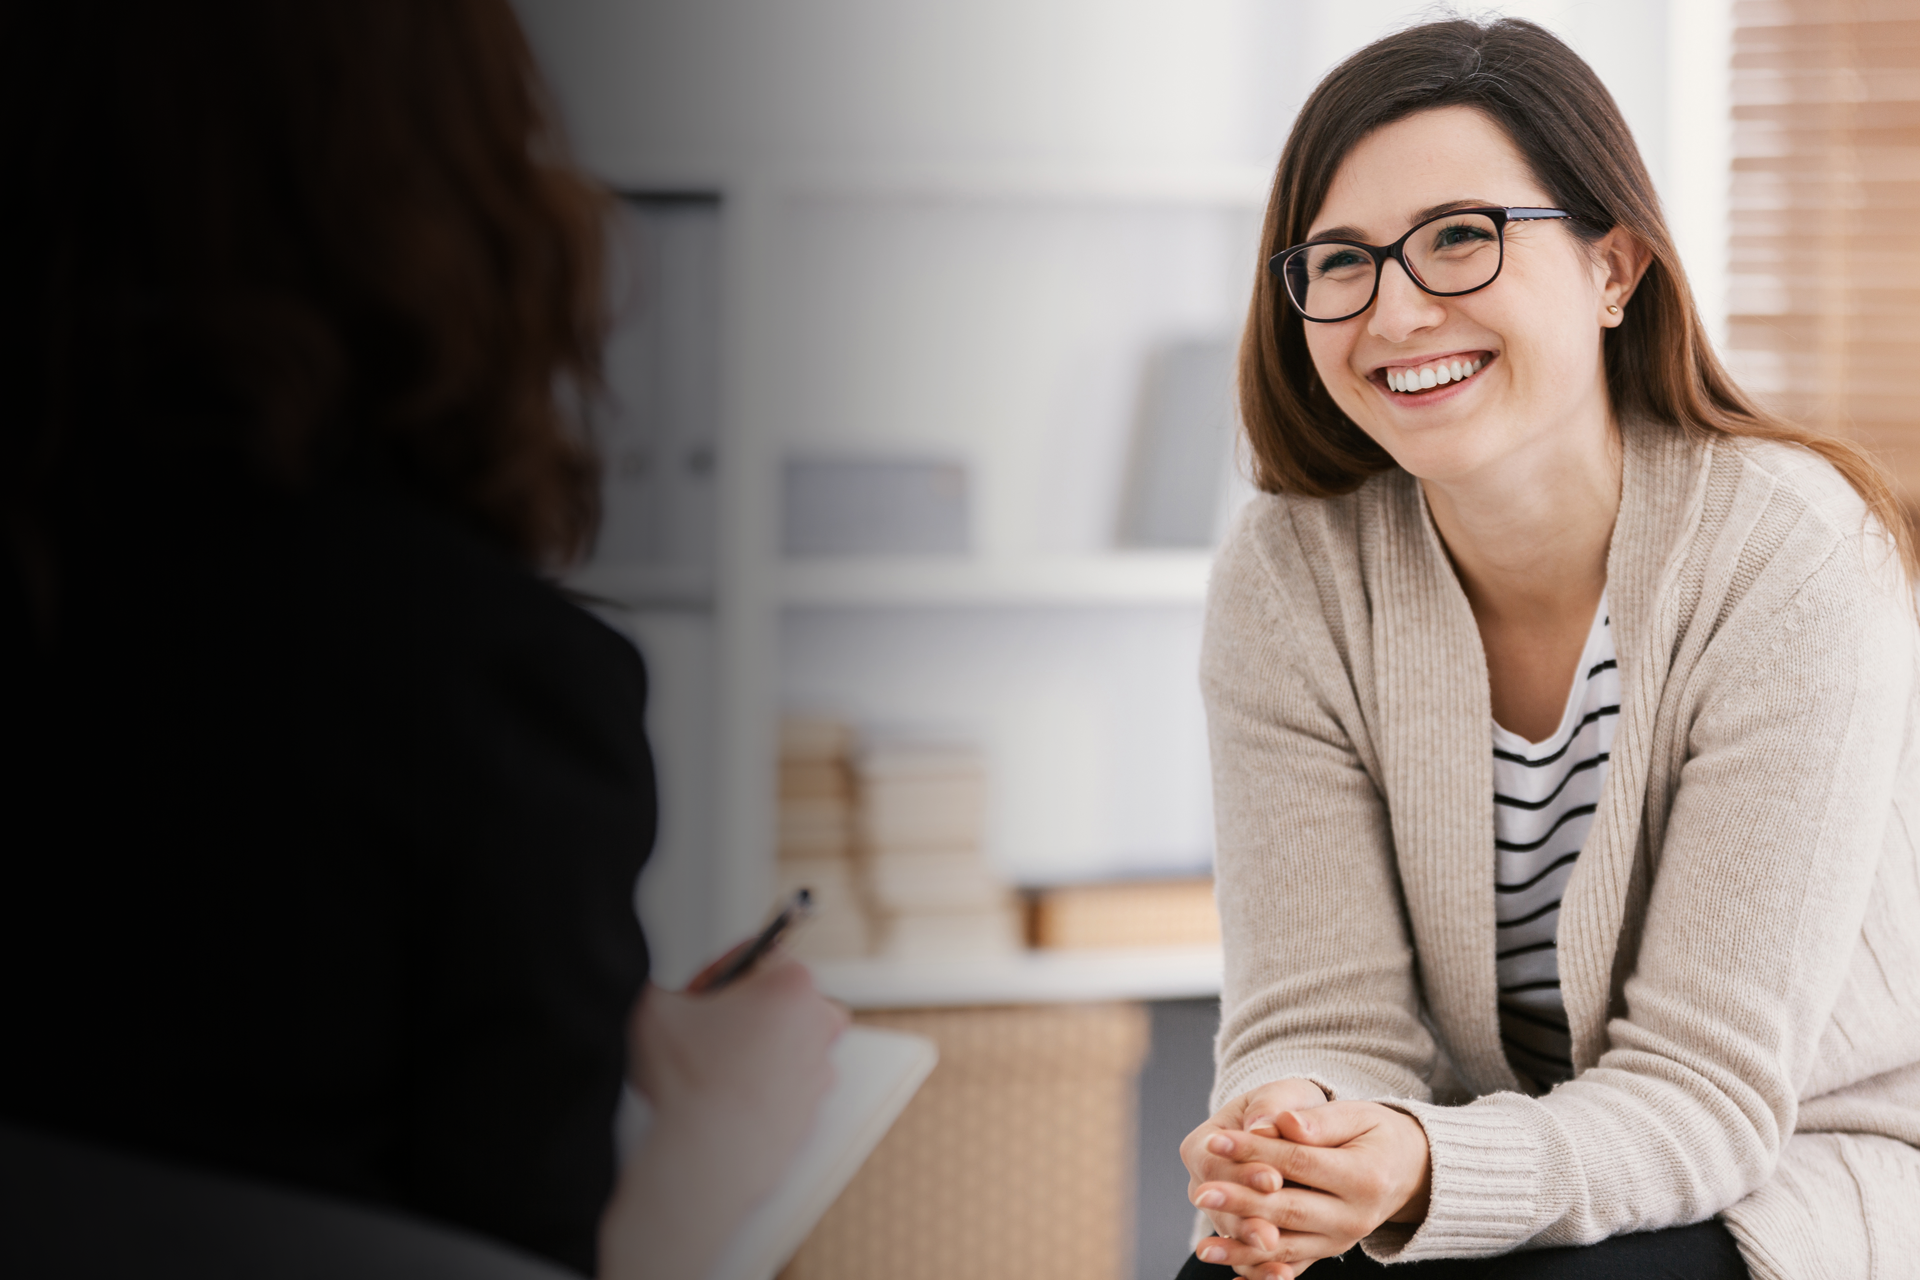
1429,381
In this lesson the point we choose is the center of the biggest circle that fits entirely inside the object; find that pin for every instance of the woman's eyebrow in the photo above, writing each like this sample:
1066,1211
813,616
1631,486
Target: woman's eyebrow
1431,211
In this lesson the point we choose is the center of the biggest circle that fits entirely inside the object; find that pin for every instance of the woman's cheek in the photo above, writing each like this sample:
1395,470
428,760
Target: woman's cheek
1338,376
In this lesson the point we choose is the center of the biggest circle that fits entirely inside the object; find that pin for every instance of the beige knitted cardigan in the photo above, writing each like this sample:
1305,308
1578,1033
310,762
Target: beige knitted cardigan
1740,940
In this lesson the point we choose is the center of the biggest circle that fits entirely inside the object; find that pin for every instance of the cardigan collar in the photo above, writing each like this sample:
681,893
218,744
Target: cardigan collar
1437,760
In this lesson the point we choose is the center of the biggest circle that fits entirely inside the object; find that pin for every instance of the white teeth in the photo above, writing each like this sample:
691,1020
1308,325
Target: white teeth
1434,375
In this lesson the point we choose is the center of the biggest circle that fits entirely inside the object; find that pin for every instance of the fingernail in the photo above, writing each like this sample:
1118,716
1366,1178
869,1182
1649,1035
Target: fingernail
1213,1253
1211,1200
1258,1123
1266,1181
1220,1144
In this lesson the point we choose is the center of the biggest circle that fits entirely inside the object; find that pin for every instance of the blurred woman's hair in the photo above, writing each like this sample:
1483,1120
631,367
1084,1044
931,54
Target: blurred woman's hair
1659,364
322,237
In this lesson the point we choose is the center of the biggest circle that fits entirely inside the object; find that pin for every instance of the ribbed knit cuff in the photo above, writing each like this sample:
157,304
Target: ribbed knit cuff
1485,1176
1338,1081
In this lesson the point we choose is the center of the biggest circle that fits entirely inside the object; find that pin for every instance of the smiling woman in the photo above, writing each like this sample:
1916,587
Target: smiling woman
1562,707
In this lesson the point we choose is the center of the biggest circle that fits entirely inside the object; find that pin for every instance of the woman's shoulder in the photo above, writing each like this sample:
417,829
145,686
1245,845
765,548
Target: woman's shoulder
1770,534
446,617
1776,510
1796,479
1277,536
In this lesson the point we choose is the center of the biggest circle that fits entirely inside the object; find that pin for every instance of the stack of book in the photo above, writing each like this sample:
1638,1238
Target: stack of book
1142,913
930,887
816,838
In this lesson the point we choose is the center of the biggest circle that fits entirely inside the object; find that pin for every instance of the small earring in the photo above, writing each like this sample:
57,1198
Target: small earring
1613,310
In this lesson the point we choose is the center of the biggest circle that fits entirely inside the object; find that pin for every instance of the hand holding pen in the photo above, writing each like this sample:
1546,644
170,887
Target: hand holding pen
734,1068
739,961
739,1060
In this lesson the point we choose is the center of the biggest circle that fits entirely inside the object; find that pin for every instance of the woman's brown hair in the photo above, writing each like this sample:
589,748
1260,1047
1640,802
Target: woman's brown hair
317,236
1659,363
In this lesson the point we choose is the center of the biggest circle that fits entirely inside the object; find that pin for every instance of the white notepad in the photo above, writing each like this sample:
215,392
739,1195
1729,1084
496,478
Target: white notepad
876,1074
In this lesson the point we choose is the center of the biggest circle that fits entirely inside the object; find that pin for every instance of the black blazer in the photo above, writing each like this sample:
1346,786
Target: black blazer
321,820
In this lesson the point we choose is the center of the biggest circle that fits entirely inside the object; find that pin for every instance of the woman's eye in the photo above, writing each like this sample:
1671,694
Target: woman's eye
1340,259
1450,237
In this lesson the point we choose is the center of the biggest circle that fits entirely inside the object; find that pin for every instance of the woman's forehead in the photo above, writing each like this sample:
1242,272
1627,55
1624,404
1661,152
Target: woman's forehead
1426,161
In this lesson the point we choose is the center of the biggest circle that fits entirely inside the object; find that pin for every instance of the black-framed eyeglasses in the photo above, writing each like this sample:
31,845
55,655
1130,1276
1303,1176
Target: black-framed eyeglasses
1457,252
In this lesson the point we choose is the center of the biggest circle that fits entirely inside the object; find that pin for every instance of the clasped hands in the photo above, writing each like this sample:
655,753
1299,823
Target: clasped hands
1288,1178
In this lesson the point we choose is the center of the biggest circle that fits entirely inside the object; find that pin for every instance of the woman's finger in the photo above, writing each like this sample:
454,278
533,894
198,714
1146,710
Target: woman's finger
1256,1177
1234,1145
1227,1225
1332,1125
1298,1211
1378,1168
1322,1168
1226,1252
1224,1224
1294,1250
1266,1271
1233,1157
1208,1150
1234,1198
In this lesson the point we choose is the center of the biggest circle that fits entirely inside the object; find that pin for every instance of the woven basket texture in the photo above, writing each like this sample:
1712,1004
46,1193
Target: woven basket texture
1015,1159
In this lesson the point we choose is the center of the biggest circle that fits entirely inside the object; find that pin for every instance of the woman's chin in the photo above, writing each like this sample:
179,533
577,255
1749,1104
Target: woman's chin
1437,450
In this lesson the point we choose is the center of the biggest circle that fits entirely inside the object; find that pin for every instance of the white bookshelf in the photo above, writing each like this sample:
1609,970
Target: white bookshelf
910,268
1029,977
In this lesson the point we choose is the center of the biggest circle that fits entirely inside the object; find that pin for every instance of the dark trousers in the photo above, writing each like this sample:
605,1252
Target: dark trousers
1703,1251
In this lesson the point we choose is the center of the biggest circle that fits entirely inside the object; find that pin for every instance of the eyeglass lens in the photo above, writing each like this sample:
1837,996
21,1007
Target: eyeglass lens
1454,253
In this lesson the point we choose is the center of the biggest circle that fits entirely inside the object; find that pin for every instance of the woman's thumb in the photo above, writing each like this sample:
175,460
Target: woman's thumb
1333,1125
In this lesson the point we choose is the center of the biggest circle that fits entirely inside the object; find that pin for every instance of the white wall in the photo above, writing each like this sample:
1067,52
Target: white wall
702,87
697,90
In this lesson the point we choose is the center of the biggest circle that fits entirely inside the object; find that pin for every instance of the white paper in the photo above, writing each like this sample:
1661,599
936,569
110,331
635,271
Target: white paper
877,1074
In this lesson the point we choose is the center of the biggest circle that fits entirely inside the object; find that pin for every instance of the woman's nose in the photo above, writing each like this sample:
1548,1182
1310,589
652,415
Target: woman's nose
1402,308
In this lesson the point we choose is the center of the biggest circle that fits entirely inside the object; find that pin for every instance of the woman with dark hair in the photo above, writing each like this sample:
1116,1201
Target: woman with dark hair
1633,987
323,810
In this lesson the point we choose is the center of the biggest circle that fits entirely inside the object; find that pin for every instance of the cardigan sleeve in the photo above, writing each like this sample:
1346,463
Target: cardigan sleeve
1795,753
1320,974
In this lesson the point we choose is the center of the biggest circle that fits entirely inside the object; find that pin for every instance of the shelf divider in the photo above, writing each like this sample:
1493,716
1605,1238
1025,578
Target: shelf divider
1029,977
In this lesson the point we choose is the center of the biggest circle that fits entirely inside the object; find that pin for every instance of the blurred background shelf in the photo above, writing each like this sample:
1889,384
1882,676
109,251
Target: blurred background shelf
1034,977
1145,578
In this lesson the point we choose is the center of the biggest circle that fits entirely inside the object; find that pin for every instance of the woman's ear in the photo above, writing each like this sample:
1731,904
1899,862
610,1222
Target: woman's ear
1620,259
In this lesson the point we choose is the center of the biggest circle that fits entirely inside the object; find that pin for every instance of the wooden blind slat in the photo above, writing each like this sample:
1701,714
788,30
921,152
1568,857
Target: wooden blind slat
1824,248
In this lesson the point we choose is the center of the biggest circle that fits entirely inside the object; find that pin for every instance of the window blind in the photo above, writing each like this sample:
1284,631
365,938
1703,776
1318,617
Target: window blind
1824,270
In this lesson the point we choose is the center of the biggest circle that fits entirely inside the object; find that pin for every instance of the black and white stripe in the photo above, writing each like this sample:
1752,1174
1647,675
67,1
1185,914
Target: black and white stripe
1544,797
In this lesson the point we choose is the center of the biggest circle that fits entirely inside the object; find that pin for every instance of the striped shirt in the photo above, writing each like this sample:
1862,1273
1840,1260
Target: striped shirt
1544,797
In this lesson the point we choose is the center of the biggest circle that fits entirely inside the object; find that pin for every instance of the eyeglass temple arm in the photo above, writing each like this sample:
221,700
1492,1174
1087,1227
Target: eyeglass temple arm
1535,215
